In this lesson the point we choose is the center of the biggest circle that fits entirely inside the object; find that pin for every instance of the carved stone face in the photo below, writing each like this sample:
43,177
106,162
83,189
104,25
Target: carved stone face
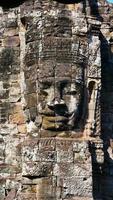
56,66
61,91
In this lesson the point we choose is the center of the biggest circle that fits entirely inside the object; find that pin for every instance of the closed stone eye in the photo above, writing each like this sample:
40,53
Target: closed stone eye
45,85
44,93
73,92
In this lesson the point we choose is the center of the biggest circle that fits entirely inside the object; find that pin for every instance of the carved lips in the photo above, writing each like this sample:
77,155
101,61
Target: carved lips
54,122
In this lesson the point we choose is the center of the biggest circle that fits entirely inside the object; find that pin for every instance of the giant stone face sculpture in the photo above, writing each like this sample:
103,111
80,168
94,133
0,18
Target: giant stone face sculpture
56,58
50,85
61,94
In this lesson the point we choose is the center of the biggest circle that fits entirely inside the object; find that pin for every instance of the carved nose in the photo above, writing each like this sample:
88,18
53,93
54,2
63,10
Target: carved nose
56,102
59,107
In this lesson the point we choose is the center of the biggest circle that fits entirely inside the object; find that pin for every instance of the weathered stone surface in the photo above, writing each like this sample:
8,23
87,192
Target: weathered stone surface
11,195
80,186
22,128
31,100
11,41
48,144
17,118
36,169
27,196
56,100
72,170
64,152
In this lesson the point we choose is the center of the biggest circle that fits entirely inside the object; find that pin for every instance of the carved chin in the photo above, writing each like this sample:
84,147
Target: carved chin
54,123
57,123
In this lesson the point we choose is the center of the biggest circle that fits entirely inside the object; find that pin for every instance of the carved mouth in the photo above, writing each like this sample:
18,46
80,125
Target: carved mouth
47,112
51,113
56,119
54,122
58,110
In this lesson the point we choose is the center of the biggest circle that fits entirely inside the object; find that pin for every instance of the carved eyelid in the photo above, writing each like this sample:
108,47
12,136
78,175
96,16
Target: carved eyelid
65,83
42,92
45,85
62,84
73,92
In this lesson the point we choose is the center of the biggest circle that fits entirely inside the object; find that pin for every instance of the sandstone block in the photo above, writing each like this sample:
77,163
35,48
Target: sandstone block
42,156
37,169
72,170
22,129
81,186
11,41
47,144
64,151
27,196
11,32
17,118
31,100
11,195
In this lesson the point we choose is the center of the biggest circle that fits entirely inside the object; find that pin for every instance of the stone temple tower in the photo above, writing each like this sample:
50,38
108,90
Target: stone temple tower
56,100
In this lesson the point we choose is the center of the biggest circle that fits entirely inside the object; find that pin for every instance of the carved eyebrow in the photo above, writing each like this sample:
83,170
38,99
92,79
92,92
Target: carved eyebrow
67,81
46,80
45,84
62,83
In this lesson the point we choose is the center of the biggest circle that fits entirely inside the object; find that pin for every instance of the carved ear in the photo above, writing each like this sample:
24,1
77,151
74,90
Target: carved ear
91,87
11,3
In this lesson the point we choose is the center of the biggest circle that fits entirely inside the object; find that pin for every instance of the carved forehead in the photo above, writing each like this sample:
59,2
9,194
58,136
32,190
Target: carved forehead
59,81
52,69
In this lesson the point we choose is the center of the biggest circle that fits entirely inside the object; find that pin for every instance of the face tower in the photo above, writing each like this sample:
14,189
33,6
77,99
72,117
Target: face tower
50,84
